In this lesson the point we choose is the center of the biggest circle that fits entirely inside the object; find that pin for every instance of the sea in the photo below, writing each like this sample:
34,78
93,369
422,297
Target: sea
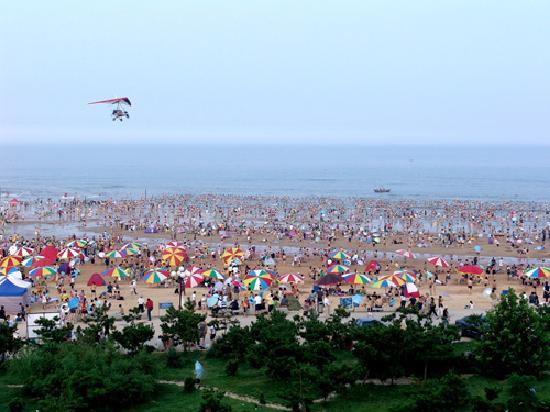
495,173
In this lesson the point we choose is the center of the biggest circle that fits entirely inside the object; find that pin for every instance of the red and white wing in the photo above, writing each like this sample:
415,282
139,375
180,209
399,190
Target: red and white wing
123,100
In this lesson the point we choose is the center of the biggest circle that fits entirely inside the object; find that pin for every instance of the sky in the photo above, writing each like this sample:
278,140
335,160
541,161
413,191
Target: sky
276,71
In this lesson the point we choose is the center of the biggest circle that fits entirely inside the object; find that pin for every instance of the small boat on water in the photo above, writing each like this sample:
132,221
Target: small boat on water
382,190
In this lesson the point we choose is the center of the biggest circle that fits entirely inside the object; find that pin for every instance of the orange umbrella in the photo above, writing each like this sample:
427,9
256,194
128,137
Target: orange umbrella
173,256
231,253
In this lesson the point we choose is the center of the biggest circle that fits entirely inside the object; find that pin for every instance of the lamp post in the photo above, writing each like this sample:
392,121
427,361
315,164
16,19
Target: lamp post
181,281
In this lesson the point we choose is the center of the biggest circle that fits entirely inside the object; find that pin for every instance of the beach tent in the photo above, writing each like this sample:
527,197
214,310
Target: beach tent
96,280
411,291
12,292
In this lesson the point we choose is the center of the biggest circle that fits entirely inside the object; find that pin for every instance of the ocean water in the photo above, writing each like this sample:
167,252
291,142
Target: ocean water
111,171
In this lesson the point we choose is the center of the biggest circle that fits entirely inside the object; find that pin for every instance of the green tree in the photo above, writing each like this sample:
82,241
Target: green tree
52,332
9,344
516,339
134,335
98,325
182,326
233,344
213,402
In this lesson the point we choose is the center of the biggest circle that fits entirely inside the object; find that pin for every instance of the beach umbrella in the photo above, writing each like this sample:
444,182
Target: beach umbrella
22,251
174,244
173,256
14,272
262,273
231,253
337,269
291,278
470,270
329,280
113,254
371,266
129,251
383,283
356,279
115,272
212,273
257,283
96,280
68,253
193,280
73,303
538,272
269,261
78,243
407,254
155,276
133,245
31,260
477,248
8,262
43,272
438,261
397,281
49,251
339,256
194,270
406,275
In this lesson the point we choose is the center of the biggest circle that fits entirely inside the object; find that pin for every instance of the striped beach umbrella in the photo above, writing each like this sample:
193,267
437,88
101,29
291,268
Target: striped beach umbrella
356,279
538,272
155,276
193,280
173,256
132,245
129,251
22,251
68,253
115,272
213,274
291,278
438,261
231,253
31,261
78,243
383,283
43,272
174,244
337,269
256,283
263,273
113,254
390,280
339,256
9,261
406,275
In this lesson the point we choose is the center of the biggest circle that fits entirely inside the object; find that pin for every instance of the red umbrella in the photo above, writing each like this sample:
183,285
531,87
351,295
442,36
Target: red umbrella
329,280
372,265
470,270
49,252
438,261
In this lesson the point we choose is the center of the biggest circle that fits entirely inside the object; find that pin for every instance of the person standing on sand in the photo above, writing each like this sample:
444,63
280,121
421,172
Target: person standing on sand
149,306
134,287
141,304
470,285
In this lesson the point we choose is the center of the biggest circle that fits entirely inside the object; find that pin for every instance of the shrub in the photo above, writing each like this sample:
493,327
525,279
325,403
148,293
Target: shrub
232,367
189,384
173,359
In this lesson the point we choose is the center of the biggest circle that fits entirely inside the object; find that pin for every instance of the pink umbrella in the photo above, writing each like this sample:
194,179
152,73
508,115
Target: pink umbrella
68,253
23,251
193,280
291,278
406,253
438,261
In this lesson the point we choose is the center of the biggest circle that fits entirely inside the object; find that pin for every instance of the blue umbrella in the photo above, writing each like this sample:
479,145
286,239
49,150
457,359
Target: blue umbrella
73,303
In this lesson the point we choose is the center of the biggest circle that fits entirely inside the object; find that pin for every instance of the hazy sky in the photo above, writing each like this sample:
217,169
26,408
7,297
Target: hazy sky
373,72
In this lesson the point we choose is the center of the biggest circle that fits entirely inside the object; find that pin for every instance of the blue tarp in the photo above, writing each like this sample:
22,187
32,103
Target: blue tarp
8,289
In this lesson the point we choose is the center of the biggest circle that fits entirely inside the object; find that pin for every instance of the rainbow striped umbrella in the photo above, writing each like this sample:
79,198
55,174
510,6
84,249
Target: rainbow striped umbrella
193,280
43,272
113,254
262,273
173,256
78,243
256,283
387,282
339,256
406,275
31,260
68,253
115,272
291,278
23,251
133,245
212,273
538,272
155,276
337,269
129,251
356,279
